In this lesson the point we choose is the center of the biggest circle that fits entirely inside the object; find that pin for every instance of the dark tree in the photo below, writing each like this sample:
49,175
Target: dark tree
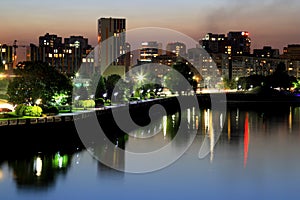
101,88
97,86
82,92
38,80
111,83
252,80
280,78
1,66
174,82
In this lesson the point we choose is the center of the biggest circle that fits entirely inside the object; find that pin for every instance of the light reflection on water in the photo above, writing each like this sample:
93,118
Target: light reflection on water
256,156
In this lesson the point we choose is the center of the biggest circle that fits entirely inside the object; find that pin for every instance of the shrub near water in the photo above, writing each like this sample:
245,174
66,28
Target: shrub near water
87,103
33,111
50,110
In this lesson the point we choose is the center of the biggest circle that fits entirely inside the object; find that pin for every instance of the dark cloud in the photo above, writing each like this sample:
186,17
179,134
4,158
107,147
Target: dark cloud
276,20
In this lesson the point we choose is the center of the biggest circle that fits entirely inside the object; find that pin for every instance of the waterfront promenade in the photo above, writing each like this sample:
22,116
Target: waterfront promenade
204,100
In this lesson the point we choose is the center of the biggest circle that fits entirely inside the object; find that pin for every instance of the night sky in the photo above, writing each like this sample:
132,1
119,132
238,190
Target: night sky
270,22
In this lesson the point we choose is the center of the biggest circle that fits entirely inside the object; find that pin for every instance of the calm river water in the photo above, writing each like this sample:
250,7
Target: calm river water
255,157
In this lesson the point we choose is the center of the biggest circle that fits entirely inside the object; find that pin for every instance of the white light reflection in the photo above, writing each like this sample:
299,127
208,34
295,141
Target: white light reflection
77,159
38,166
206,120
173,120
60,162
189,115
211,133
221,121
194,119
211,137
165,125
237,116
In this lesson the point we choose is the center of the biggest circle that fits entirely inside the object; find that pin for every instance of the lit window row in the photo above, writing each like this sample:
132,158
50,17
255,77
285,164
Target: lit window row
56,55
89,60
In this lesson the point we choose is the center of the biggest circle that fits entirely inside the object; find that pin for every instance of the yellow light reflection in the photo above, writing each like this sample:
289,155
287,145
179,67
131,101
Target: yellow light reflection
197,122
290,119
229,126
1,175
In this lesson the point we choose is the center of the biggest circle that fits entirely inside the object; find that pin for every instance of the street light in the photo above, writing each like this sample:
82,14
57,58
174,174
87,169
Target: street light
115,95
38,101
140,77
76,98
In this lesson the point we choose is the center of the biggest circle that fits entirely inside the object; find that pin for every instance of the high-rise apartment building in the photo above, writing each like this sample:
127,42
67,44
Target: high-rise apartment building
292,51
150,50
176,48
51,49
6,57
111,40
66,57
239,43
266,52
76,49
214,43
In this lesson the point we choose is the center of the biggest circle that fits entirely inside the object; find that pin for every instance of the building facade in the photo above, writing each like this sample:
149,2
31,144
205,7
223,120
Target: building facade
112,40
238,43
67,57
6,57
149,51
214,43
176,48
266,52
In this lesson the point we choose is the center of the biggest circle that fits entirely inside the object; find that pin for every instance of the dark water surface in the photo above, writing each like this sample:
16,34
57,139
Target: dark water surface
256,157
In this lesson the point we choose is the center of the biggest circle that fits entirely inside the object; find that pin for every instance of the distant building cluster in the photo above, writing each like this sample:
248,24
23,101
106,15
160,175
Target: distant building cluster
233,57
231,53
65,55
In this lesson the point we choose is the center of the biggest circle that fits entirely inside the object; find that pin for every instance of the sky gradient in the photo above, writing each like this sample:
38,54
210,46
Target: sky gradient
270,22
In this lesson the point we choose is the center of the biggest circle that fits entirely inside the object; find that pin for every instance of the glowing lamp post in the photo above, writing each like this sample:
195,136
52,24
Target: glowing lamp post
140,78
115,95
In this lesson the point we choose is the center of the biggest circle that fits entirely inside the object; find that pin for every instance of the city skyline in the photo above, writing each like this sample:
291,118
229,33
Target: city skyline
270,23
